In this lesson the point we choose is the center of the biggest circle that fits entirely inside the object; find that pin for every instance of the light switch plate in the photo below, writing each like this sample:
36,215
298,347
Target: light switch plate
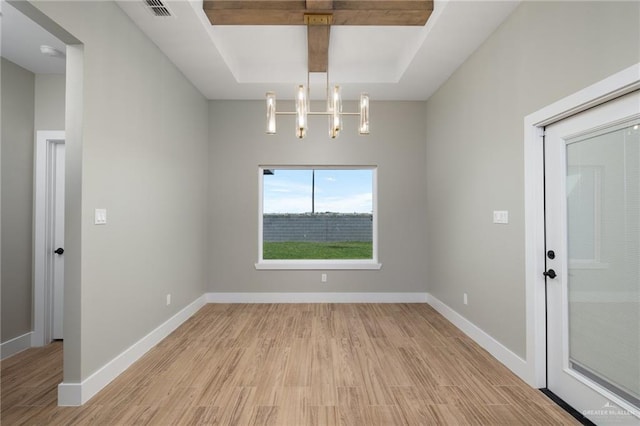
100,217
501,216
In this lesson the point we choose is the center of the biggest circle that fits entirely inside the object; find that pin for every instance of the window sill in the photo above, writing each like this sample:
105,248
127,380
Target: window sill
318,265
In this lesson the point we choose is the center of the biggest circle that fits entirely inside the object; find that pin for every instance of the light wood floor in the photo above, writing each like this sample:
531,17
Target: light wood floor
292,364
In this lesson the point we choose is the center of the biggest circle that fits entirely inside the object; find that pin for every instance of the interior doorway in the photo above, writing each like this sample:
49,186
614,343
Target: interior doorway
49,195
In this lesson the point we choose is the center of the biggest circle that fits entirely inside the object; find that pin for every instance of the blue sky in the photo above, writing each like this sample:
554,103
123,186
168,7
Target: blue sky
338,191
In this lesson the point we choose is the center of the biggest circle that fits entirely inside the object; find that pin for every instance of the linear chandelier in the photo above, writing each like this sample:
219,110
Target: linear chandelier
333,111
318,27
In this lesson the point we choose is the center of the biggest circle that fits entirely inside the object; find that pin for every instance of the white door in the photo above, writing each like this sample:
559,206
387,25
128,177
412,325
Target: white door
57,170
48,235
592,203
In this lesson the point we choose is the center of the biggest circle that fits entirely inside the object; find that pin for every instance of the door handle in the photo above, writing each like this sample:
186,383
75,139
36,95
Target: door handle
550,273
59,250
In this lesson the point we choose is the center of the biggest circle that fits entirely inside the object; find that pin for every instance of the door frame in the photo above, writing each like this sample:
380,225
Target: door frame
616,85
42,230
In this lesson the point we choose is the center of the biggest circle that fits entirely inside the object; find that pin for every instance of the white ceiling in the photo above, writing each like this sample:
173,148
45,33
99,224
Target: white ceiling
21,41
243,62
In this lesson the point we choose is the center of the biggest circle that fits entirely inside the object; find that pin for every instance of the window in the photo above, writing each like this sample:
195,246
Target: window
317,217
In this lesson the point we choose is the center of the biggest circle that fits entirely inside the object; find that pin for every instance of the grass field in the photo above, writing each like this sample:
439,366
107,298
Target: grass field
314,250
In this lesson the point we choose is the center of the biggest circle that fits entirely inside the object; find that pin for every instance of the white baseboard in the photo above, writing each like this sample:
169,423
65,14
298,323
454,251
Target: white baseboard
74,394
503,354
15,345
316,297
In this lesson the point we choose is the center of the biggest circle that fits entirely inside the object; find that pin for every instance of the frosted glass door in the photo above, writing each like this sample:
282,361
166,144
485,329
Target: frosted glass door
593,214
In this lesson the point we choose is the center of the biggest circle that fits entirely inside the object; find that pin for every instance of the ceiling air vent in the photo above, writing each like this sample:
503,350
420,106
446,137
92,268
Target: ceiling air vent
158,8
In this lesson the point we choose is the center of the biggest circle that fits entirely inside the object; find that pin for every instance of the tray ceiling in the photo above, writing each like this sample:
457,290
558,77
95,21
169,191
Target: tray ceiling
390,62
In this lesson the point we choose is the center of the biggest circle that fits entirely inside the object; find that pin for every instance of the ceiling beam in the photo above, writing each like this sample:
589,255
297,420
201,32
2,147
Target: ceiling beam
319,4
318,47
291,12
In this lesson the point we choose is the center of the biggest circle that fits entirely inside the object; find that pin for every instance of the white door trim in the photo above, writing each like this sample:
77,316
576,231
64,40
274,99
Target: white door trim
616,85
41,228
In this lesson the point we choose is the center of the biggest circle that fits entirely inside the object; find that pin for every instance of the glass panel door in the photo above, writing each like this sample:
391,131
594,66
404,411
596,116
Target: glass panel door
592,173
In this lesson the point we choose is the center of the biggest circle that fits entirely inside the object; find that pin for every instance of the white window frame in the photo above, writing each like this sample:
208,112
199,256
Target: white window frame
319,264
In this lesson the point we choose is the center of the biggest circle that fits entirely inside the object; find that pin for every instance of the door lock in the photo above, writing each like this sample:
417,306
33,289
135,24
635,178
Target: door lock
59,250
551,254
550,273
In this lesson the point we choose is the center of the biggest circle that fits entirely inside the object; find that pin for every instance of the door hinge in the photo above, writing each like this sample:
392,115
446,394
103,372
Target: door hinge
542,132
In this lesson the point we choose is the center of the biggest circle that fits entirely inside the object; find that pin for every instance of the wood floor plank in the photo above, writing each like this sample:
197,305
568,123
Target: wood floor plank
351,396
376,385
345,365
270,382
389,358
294,403
238,405
323,387
291,364
351,416
207,415
299,365
264,415
322,416
412,405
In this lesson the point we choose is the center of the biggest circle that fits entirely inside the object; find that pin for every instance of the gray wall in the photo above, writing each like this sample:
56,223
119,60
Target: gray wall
49,102
238,145
18,87
140,151
542,53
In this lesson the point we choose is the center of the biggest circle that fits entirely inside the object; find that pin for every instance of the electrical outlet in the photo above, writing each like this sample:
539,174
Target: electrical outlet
323,278
465,299
168,299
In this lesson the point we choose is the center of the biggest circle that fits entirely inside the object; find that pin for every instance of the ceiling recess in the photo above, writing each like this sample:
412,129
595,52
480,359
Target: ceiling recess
318,16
